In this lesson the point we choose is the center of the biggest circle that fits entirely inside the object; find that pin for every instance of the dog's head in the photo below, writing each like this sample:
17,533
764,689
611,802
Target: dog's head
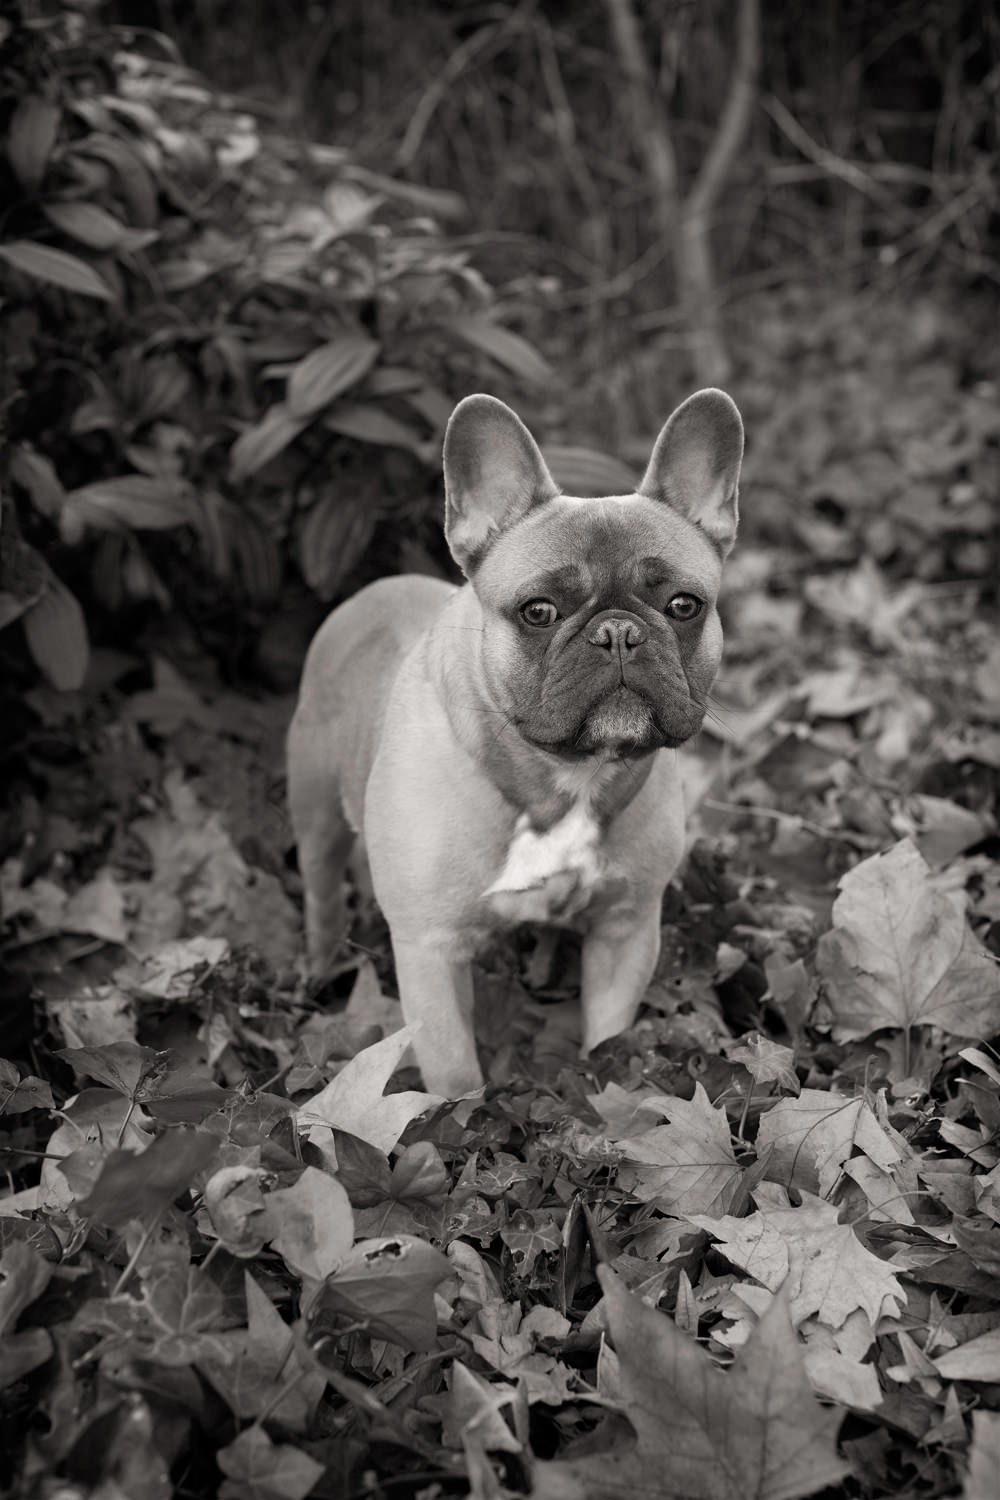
600,628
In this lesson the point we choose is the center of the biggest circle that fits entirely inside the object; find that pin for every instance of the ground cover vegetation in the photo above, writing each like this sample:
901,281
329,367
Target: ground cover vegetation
751,1247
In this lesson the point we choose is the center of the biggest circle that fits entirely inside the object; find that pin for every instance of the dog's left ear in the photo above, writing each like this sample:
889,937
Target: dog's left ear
695,466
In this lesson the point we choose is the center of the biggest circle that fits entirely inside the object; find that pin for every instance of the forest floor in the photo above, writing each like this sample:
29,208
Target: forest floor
749,1248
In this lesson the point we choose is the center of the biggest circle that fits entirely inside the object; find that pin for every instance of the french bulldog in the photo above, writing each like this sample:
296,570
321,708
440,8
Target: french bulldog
505,750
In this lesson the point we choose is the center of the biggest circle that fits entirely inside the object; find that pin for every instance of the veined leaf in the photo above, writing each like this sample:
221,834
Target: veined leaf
258,444
135,501
328,371
31,135
136,183
56,267
86,222
508,349
369,424
585,471
57,636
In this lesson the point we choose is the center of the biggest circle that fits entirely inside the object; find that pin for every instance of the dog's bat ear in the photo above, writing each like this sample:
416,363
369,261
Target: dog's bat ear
494,474
695,465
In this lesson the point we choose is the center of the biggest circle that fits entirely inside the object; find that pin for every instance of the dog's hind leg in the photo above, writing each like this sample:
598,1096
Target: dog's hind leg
324,838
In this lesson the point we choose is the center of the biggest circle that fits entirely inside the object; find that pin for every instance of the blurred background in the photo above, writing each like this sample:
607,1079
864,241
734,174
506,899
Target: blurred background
250,255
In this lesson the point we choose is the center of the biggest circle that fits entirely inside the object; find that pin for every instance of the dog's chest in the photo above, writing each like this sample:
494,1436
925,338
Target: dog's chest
556,874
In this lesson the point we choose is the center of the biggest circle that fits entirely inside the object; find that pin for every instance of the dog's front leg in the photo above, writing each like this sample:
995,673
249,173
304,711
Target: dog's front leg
436,995
619,956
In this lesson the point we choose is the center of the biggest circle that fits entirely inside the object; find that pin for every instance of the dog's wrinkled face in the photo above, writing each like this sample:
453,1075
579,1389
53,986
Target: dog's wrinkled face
601,632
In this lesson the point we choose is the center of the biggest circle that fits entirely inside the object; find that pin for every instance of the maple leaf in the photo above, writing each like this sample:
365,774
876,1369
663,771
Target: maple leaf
355,1100
829,1272
902,954
754,1432
687,1166
811,1138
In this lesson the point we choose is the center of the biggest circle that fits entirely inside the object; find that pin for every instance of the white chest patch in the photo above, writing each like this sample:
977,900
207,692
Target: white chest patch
550,876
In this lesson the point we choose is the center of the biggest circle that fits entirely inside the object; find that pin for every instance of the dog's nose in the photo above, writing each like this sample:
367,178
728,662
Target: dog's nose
620,634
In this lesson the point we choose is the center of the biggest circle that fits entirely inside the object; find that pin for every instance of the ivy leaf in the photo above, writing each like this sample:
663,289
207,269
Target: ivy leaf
311,1224
133,1185
126,1067
387,1286
18,1094
23,1278
529,1235
251,1366
902,954
261,1470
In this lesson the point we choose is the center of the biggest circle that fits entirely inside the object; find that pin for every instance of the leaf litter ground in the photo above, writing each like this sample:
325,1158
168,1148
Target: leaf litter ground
749,1249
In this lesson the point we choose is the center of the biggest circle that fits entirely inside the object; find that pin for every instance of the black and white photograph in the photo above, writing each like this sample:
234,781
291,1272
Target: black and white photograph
500,751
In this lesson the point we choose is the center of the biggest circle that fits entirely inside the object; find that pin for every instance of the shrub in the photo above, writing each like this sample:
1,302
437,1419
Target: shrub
225,348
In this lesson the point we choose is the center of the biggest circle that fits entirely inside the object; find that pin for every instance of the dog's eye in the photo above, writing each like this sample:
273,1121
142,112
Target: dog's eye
684,607
539,612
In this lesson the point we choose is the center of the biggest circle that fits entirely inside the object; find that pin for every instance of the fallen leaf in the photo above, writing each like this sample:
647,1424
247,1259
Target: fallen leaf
822,1264
687,1166
311,1223
978,1359
902,954
479,1404
754,1432
984,1457
355,1099
764,1060
260,1368
811,1138
386,1286
261,1470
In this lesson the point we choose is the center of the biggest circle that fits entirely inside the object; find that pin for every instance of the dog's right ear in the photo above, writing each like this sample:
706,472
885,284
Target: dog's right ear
494,474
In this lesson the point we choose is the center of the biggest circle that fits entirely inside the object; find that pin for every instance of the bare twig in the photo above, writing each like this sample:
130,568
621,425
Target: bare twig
735,115
832,164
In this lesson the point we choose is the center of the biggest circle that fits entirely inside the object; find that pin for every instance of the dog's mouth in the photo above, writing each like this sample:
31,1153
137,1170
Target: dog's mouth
624,724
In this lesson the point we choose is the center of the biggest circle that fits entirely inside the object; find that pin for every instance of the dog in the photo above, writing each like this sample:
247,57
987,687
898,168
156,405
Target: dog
504,750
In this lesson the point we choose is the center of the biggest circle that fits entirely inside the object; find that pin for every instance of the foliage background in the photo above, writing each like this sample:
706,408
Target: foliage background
237,305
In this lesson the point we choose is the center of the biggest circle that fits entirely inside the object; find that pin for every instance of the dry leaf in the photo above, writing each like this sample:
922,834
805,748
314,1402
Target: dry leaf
812,1136
354,1101
755,1432
902,954
827,1270
687,1166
